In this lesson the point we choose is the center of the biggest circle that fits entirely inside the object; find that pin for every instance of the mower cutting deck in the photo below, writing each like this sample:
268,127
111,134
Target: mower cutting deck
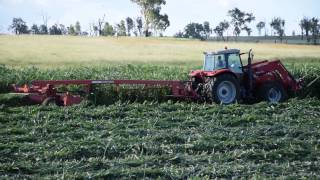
44,92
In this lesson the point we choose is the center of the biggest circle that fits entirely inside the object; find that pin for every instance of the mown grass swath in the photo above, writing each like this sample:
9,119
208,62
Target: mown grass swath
168,140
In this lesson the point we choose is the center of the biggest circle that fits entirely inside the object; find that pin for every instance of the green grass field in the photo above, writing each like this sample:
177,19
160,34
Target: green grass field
145,138
60,51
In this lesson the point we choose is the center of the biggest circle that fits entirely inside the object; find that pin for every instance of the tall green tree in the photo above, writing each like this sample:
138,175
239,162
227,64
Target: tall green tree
261,25
305,25
19,26
148,9
248,30
160,22
179,35
221,28
77,28
43,29
121,28
71,30
95,30
302,30
63,29
278,25
139,25
194,30
130,25
240,21
35,29
108,30
207,29
55,30
315,29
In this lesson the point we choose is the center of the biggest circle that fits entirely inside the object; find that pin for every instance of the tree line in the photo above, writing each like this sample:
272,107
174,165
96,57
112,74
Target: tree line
126,27
241,20
151,22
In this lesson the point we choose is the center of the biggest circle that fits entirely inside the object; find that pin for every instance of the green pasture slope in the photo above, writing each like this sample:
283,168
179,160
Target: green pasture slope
151,137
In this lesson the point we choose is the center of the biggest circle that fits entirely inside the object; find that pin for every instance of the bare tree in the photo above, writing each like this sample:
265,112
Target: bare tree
45,19
101,22
91,28
95,30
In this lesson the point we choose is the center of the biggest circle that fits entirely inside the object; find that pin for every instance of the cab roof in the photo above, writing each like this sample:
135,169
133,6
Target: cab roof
226,51
229,51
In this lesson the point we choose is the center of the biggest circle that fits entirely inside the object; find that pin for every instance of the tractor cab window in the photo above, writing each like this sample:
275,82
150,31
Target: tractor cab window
214,61
220,62
208,62
235,63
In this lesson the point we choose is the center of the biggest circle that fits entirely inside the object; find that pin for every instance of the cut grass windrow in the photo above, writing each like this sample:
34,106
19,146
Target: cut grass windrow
167,140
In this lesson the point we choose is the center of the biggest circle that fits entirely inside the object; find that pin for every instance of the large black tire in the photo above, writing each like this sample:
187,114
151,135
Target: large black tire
273,92
225,89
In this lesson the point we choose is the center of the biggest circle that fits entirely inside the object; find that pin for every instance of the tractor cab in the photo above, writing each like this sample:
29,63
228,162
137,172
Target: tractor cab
223,77
226,59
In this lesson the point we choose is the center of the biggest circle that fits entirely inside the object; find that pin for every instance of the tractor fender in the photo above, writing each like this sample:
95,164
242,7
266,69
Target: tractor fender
221,72
204,76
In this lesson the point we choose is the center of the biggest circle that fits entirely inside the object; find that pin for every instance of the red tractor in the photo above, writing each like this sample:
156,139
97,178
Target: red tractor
224,79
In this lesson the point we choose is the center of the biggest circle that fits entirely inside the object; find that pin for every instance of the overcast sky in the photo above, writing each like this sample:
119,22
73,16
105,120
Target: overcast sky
180,12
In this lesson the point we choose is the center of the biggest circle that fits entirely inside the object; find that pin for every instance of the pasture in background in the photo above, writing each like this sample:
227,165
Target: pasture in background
62,51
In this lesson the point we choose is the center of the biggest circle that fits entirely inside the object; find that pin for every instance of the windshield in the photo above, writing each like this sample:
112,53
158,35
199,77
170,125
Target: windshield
214,62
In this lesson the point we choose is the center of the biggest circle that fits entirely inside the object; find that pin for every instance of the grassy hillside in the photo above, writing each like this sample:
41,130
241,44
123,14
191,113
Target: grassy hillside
58,51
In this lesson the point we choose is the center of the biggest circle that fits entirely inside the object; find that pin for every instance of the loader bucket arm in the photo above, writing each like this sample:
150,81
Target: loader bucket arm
276,71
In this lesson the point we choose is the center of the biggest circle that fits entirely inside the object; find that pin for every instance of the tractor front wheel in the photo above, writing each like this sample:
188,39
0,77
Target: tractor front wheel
273,93
225,89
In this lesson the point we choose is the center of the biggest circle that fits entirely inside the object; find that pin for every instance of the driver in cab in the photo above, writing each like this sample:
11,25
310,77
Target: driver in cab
220,63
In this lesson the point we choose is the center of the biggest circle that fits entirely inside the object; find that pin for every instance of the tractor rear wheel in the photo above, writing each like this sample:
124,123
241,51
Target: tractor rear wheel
225,89
273,92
